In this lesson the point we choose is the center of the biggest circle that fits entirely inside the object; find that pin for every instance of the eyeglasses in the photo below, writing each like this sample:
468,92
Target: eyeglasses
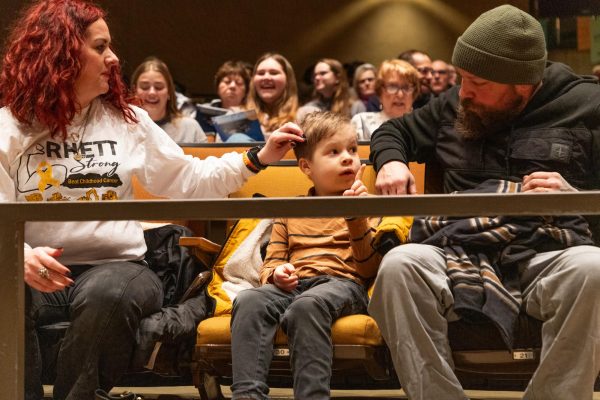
439,71
394,89
366,80
425,70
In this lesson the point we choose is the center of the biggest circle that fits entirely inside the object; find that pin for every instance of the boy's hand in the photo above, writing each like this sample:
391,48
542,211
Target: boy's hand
358,188
285,278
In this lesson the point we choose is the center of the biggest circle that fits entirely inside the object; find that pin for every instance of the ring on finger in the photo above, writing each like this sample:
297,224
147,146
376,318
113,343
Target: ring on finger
44,273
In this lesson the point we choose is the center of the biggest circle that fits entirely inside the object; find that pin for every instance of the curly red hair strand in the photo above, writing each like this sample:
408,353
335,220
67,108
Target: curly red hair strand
42,61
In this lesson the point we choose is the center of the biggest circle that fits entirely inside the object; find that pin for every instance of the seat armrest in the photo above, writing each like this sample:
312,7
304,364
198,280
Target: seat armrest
200,243
200,247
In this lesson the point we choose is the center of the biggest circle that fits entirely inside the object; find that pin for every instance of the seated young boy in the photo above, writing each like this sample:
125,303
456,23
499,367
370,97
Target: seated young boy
315,272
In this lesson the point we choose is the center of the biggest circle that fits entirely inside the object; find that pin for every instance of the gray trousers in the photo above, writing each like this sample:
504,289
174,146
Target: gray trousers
306,315
104,307
412,304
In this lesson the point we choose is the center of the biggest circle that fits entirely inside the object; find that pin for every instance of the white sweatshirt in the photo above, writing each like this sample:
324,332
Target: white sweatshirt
185,130
36,167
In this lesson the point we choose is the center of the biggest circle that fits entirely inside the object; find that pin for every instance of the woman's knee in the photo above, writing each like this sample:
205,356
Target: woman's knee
135,290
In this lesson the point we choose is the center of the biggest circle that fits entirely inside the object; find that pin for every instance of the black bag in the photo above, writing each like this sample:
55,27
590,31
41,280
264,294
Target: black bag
165,339
173,264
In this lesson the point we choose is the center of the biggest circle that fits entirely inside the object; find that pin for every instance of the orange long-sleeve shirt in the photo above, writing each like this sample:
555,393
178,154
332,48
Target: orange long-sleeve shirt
323,246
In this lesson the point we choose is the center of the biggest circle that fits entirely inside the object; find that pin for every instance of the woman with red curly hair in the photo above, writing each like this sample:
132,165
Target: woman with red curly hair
69,134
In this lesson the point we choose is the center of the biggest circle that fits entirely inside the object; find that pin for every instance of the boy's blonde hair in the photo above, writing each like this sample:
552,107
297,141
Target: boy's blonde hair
318,126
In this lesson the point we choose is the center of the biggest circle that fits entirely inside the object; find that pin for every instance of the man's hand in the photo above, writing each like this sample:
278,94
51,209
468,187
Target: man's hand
54,275
358,187
395,178
279,142
546,182
285,278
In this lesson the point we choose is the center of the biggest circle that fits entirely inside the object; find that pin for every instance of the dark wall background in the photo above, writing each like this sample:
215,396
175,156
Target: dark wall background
195,36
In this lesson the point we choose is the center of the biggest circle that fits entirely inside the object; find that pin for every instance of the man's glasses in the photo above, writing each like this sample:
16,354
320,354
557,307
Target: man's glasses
394,89
439,72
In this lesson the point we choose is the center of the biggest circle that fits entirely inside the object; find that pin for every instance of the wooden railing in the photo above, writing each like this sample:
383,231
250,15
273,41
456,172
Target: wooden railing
14,216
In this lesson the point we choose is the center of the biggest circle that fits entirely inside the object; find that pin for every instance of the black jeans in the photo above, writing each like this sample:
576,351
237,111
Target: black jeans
306,315
104,308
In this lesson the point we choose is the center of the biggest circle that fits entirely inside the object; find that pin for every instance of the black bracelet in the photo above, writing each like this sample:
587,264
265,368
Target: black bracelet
253,156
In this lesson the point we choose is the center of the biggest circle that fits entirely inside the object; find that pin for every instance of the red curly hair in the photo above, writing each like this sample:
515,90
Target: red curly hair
42,62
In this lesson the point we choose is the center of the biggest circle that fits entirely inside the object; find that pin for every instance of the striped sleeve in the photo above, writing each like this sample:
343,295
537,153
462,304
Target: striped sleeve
277,251
362,234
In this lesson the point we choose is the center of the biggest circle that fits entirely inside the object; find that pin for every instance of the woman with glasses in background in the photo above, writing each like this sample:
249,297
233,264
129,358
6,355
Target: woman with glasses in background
397,86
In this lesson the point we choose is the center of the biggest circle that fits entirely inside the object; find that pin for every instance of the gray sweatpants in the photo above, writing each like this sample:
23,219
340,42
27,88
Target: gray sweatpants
412,304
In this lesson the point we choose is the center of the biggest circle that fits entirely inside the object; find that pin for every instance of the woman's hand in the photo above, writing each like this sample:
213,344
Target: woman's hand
279,143
43,272
358,187
285,278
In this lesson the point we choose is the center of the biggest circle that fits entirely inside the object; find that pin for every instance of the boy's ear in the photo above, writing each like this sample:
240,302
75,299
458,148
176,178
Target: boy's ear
304,165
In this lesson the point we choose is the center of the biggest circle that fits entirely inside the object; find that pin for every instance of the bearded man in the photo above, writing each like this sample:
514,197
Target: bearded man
531,125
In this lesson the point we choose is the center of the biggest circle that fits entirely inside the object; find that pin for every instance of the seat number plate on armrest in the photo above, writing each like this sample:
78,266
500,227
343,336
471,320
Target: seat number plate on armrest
523,355
281,352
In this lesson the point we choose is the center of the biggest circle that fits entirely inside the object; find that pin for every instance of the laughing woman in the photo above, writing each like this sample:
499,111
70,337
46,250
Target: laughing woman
153,84
273,92
69,134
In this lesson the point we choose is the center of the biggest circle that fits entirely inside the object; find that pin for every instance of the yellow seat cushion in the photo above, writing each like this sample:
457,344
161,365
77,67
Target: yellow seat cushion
352,329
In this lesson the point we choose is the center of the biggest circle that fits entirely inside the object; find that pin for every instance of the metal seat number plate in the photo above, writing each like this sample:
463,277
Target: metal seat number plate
523,355
281,352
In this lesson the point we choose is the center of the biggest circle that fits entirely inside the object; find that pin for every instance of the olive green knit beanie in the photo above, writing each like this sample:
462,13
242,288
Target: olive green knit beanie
504,45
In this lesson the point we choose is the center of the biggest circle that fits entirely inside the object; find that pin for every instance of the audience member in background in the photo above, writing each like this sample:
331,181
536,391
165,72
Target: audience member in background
153,84
273,92
69,134
397,85
232,82
332,92
315,272
364,86
439,81
422,62
452,75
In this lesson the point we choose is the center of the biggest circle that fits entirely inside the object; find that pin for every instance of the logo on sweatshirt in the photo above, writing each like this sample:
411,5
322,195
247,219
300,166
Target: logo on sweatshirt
50,171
